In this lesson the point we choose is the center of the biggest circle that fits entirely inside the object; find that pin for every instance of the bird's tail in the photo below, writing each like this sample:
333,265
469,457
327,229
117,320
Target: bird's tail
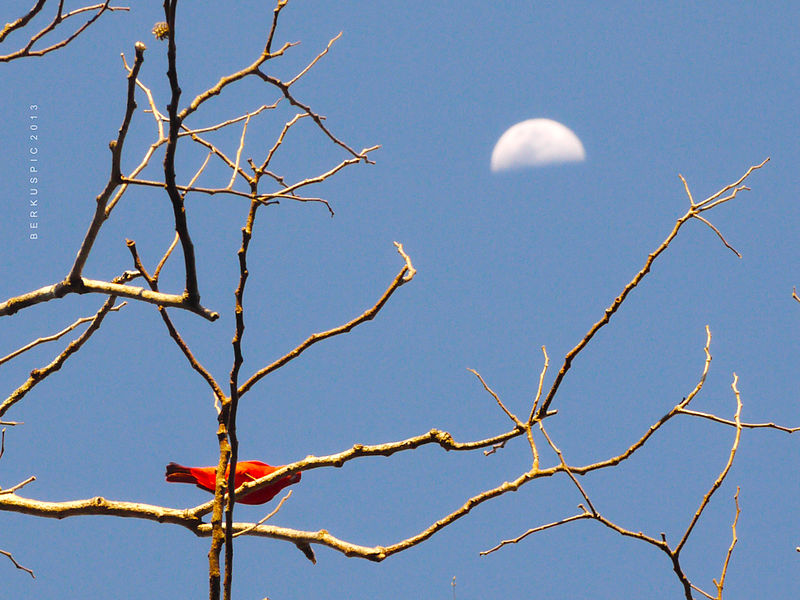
179,474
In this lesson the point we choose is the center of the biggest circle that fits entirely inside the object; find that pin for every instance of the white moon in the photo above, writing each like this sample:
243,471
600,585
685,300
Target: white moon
536,143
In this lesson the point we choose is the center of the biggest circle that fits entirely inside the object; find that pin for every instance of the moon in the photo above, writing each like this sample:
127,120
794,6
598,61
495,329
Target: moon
536,143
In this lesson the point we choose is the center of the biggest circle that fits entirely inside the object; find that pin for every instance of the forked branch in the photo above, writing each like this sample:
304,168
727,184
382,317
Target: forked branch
694,212
58,19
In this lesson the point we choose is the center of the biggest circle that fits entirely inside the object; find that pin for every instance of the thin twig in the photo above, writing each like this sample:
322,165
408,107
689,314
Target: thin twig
710,201
313,62
59,17
38,375
164,258
509,414
721,477
152,281
567,470
693,212
16,564
404,276
541,381
19,486
717,231
55,336
519,538
717,419
721,583
265,519
279,141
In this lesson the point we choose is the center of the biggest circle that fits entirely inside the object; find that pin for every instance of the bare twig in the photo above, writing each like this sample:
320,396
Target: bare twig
545,366
495,448
16,564
55,336
152,281
721,583
284,88
265,519
721,477
677,409
693,212
717,419
279,141
19,486
116,172
313,62
22,21
567,470
59,18
509,414
719,235
235,166
519,538
38,375
404,276
164,258
715,199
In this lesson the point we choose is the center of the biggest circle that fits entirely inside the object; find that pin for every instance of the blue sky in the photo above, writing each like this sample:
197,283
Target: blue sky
507,262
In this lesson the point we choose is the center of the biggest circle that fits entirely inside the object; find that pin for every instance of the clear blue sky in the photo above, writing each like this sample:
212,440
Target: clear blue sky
507,263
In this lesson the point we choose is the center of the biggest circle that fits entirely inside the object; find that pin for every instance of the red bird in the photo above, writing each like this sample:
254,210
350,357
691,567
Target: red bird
246,470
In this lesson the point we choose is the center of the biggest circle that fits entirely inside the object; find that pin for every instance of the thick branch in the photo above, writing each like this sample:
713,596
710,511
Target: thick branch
178,209
88,286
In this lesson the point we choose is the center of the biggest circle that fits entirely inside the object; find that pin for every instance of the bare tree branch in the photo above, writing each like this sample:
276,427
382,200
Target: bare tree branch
23,20
16,564
38,375
693,212
721,477
55,336
404,276
59,18
717,419
91,286
152,281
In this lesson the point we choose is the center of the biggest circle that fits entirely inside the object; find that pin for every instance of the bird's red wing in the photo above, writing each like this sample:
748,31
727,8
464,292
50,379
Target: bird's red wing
268,493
